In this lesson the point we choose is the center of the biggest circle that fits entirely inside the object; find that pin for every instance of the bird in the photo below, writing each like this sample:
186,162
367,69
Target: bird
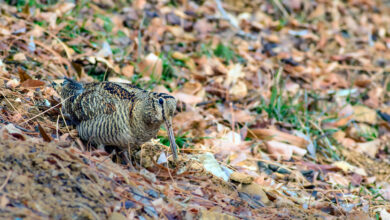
117,114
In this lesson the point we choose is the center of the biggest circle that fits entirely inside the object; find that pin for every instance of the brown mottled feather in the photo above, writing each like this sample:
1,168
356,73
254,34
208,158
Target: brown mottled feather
117,114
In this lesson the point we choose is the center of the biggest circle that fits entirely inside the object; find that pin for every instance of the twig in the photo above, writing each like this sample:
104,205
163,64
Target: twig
45,111
58,118
66,124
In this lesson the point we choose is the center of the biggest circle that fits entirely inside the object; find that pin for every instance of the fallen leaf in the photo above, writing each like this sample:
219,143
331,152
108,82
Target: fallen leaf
234,73
118,80
64,8
370,148
240,116
211,165
23,76
43,133
16,132
338,179
186,98
375,96
279,150
13,83
347,168
364,114
50,17
272,134
361,132
32,83
151,65
128,71
239,90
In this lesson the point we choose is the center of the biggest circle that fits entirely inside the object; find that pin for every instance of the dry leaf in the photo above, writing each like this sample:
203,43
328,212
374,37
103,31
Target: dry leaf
43,133
64,8
240,116
20,57
50,17
375,97
347,168
279,150
190,121
239,90
271,134
369,148
235,72
16,132
364,114
186,98
13,83
32,83
338,179
128,71
151,65
23,76
361,131
193,88
211,165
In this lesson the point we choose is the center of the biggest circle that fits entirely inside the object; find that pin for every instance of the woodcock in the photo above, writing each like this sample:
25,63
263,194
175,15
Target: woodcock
117,114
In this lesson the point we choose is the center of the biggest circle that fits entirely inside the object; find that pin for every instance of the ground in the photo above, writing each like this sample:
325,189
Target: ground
283,109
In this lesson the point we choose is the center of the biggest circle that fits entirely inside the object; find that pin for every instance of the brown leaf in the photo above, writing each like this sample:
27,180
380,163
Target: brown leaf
151,65
240,116
23,75
369,148
279,150
271,134
186,98
45,137
32,83
128,71
338,179
364,114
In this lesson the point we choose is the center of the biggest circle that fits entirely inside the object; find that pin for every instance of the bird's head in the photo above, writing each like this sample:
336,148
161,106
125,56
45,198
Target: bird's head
161,108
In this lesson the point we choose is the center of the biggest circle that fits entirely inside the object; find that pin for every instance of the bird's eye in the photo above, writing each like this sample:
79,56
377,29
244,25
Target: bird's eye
161,101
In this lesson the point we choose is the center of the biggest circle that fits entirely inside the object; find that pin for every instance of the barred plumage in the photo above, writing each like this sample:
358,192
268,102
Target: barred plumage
117,114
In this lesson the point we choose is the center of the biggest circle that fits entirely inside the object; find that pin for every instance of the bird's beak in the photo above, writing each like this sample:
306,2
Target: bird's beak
168,125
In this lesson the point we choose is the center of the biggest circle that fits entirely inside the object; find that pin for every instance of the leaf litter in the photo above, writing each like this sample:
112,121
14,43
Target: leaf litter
283,109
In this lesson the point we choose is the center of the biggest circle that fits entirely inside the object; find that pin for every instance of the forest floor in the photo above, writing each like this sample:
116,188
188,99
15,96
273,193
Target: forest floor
283,109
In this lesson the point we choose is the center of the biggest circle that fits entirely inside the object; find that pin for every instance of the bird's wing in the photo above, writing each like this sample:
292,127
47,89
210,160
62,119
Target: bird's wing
102,98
